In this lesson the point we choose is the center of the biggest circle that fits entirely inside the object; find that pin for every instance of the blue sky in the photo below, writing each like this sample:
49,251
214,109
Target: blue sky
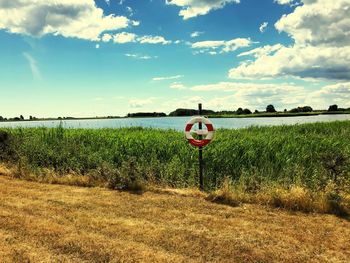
99,58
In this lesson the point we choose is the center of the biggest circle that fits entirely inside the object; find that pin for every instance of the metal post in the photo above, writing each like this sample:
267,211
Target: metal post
200,153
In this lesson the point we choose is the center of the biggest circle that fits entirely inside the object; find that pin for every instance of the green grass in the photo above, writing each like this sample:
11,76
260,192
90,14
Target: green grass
301,167
310,155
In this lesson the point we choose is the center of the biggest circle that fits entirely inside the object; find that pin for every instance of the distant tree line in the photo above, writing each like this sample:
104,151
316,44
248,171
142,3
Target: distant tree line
245,111
189,112
146,114
20,118
192,112
302,109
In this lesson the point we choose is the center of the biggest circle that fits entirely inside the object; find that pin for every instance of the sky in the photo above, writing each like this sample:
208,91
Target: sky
109,58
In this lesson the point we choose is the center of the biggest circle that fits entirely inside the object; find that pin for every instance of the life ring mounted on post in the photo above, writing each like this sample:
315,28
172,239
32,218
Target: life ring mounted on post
209,135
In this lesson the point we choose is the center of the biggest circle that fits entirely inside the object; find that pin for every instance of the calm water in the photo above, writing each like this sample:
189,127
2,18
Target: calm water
177,123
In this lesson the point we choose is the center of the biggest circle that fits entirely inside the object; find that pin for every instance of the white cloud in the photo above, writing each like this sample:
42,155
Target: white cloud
208,44
153,40
247,87
338,93
318,22
97,46
33,66
284,2
196,34
321,31
282,95
193,8
140,57
106,37
223,46
297,61
139,103
124,37
167,78
253,95
263,27
261,51
178,86
68,18
130,10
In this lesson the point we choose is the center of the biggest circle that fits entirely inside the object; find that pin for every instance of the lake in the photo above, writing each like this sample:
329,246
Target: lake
177,123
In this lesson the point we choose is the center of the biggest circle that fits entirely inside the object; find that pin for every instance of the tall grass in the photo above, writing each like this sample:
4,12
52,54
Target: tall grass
300,167
309,155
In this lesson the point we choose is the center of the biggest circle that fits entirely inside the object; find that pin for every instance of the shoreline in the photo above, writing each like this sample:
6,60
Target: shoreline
253,115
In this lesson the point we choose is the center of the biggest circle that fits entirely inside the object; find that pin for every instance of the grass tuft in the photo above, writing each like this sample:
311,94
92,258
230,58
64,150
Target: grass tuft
225,194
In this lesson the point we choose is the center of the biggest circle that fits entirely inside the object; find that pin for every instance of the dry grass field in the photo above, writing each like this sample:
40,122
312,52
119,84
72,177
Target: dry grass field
56,223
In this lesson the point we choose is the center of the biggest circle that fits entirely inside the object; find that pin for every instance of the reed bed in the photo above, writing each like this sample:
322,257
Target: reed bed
314,157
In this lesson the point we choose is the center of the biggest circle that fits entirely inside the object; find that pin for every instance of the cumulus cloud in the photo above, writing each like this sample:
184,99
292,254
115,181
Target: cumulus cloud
318,22
68,18
263,27
106,37
124,37
193,8
153,40
338,93
302,62
221,46
167,78
321,50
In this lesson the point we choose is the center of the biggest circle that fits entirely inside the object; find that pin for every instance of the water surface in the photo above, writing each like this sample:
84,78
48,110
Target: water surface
177,123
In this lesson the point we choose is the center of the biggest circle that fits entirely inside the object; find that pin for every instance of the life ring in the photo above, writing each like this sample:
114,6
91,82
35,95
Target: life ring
209,136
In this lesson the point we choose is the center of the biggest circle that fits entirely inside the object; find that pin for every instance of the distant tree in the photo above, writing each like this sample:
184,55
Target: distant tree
239,111
333,107
270,108
256,111
302,109
21,117
1,118
247,111
285,110
307,109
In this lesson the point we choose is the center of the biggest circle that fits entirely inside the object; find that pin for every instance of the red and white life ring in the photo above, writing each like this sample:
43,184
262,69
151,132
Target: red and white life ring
209,135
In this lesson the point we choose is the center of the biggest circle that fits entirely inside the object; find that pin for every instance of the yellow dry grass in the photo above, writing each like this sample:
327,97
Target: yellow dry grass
56,223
